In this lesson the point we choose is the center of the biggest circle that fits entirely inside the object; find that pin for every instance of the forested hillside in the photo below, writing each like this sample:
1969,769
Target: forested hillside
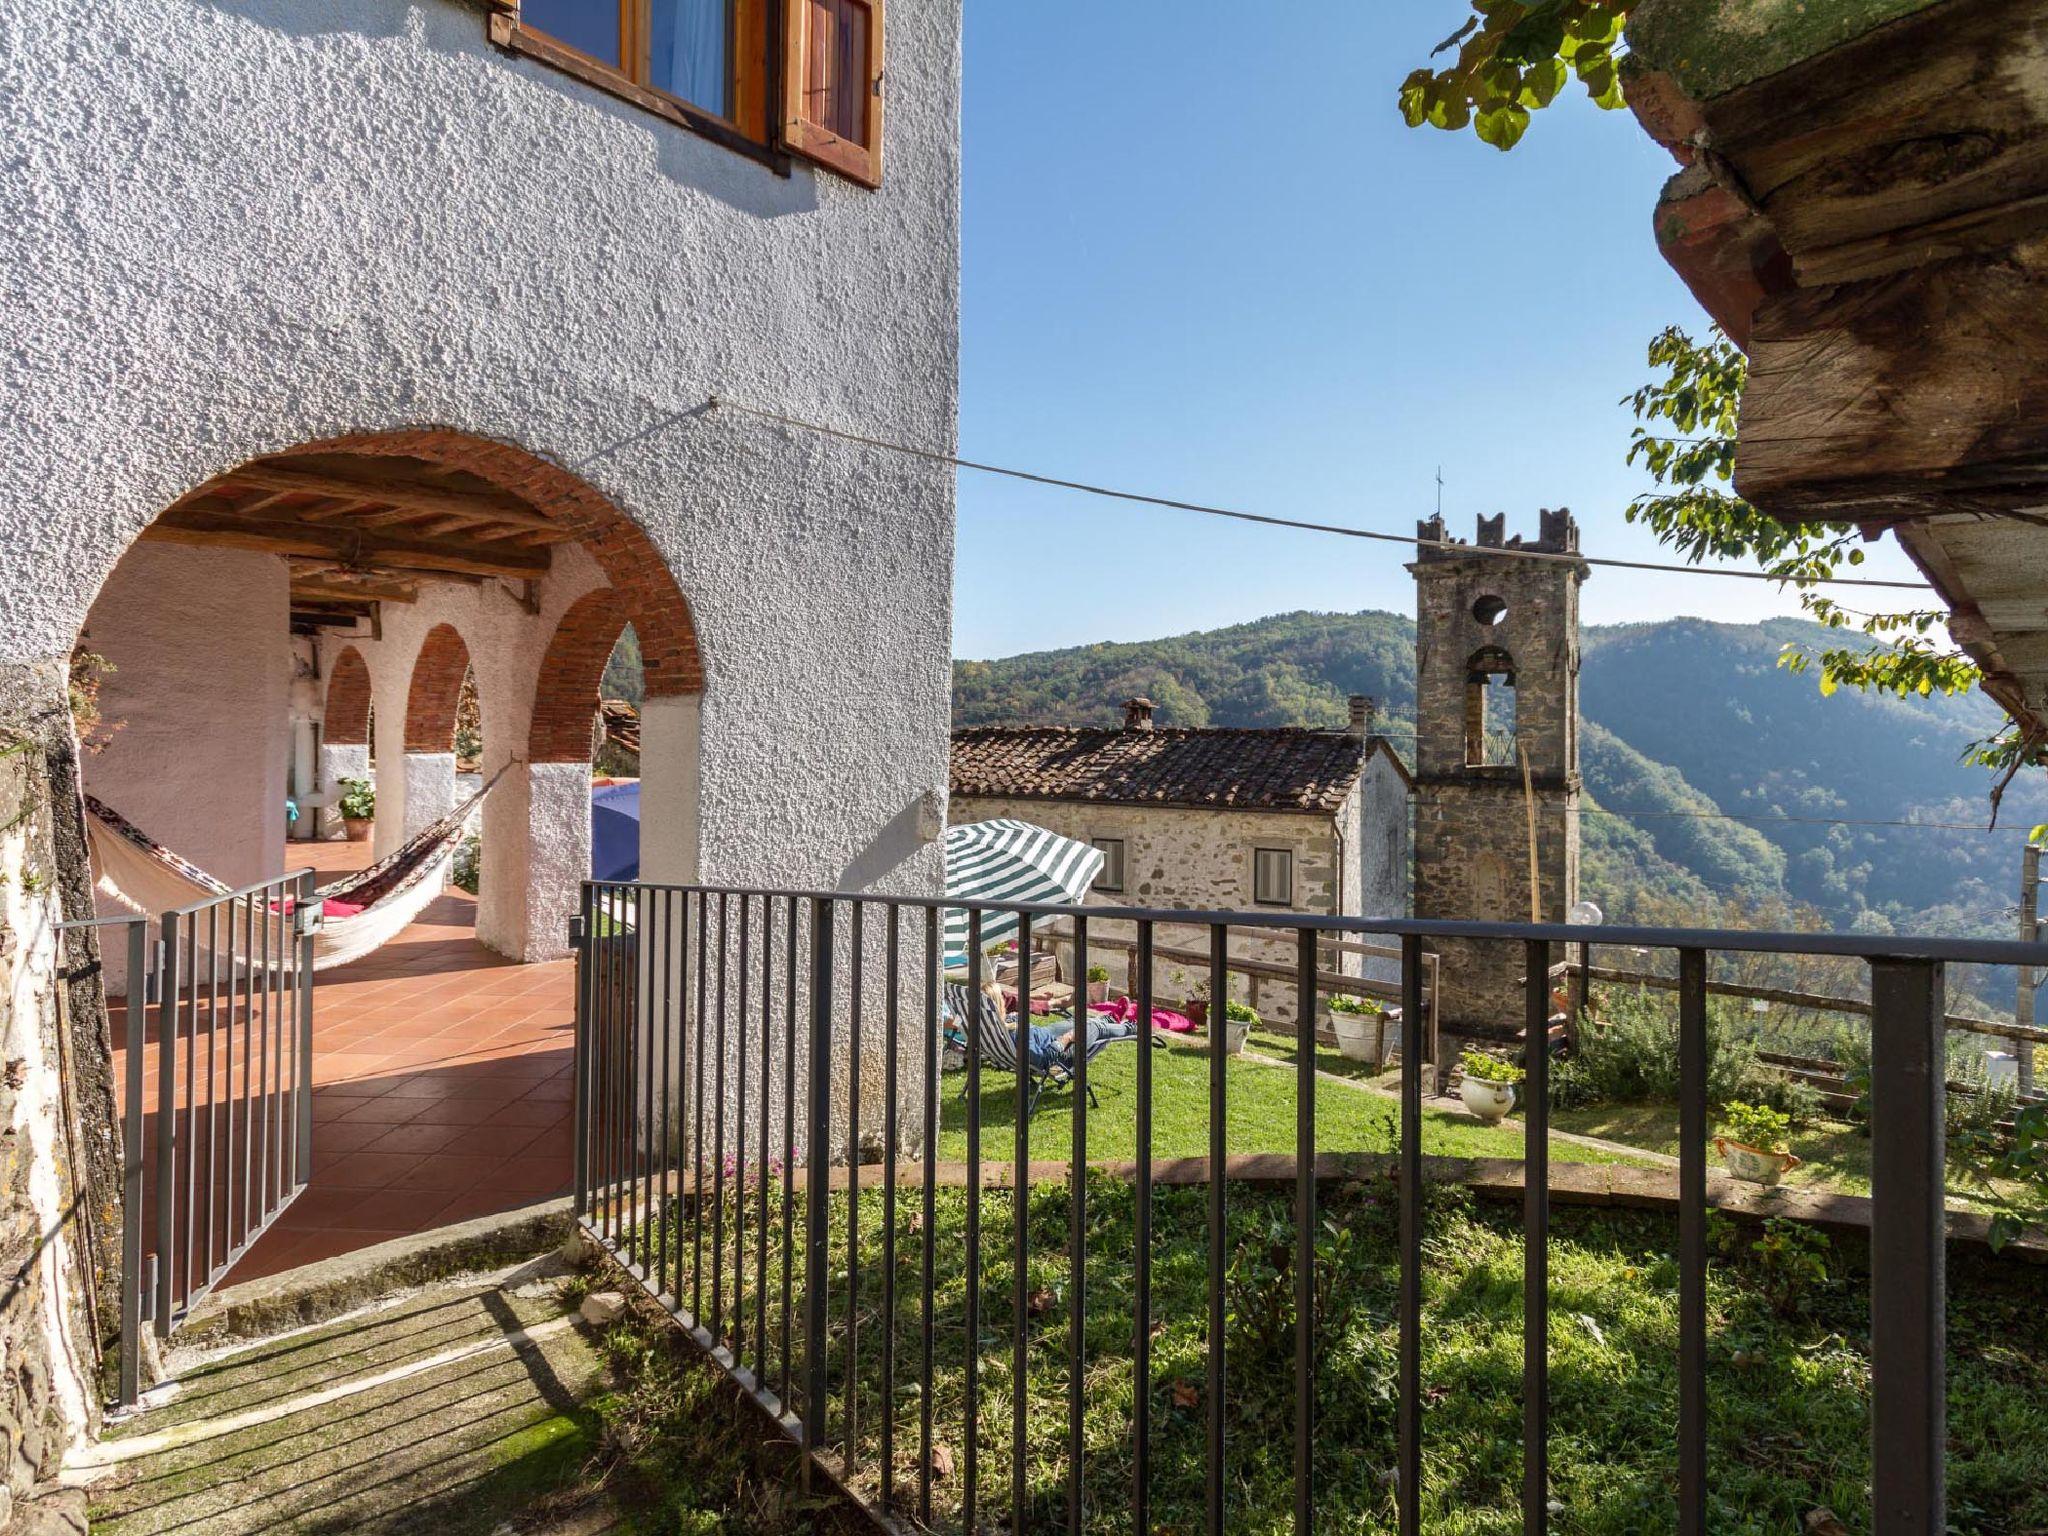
1710,770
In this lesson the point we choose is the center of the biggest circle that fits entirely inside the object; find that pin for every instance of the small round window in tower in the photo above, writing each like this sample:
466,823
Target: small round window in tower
1490,610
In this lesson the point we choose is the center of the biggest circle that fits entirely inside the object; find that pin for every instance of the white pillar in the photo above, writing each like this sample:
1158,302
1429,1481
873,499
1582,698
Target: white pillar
390,781
429,790
557,855
670,766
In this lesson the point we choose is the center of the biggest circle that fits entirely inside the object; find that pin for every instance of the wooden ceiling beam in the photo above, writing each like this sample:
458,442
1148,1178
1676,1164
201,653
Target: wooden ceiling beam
304,591
385,552
411,496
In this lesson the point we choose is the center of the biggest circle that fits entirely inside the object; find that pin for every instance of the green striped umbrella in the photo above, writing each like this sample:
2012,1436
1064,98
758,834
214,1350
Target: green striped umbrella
1010,861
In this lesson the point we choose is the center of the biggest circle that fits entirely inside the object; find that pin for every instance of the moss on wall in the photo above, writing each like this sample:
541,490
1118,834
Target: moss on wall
1712,46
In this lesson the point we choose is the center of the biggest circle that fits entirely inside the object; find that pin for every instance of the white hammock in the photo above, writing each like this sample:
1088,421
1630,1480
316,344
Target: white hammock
144,876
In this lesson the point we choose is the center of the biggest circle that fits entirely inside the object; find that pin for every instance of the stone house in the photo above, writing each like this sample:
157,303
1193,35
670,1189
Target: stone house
351,349
1289,819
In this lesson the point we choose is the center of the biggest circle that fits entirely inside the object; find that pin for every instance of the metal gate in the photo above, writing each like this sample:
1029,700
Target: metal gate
217,1106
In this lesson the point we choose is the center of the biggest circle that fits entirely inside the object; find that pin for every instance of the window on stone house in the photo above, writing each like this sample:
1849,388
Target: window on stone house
1273,877
1490,709
1111,876
708,63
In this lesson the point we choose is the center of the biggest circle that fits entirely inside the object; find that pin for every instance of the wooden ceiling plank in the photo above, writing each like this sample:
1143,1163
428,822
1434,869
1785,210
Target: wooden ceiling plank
382,551
414,496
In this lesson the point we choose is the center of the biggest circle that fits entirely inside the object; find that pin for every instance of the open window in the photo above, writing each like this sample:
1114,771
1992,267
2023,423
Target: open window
1111,876
1273,877
1490,709
832,85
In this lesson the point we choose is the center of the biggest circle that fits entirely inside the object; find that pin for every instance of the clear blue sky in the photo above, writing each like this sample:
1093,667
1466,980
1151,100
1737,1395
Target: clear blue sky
1204,258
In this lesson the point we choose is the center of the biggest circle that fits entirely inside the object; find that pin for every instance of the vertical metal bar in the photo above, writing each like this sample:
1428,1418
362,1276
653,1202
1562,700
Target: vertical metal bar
228,1083
137,1011
646,1031
1536,1240
1020,1217
1077,1243
1408,1405
606,1059
679,970
697,1160
166,1127
191,1029
662,1029
1908,1288
764,1166
213,1170
1219,1152
739,1137
579,943
933,961
856,1002
1141,1352
891,1022
817,1173
259,983
718,1133
970,1479
788,1141
252,1080
1304,1217
1692,1242
304,982
286,1020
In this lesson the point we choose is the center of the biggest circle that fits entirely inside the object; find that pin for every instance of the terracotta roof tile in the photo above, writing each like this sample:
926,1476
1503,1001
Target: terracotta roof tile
1287,769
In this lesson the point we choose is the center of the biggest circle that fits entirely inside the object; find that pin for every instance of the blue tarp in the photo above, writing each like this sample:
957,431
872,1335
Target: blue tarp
615,831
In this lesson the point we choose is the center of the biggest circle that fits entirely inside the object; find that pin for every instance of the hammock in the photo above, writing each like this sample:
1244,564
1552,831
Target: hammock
360,912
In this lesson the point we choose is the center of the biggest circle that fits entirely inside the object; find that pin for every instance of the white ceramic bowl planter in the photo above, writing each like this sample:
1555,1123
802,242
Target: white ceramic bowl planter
1754,1163
1235,1033
1488,1100
1357,1034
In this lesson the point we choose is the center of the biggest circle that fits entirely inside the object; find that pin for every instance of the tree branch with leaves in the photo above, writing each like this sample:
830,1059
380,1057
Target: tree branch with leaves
1513,58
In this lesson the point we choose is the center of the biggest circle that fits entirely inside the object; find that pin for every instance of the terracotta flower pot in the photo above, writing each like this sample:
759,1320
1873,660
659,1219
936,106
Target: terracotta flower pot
1488,1100
1197,1011
357,828
1757,1165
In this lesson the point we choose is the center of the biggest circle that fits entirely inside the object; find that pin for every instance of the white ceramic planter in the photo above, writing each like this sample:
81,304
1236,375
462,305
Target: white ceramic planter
1235,1033
1489,1101
1753,1163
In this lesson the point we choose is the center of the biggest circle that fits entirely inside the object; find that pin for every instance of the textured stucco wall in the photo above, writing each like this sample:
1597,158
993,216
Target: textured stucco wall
272,224
196,711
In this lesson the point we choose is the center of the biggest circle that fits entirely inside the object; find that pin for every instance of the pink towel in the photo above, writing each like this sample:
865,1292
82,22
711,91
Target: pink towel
1125,1011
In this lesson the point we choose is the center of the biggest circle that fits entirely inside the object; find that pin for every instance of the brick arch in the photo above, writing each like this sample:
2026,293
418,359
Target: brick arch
565,699
346,719
642,585
436,690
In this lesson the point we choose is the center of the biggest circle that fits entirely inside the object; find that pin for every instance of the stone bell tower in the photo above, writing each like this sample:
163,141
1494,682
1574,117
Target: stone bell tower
1496,685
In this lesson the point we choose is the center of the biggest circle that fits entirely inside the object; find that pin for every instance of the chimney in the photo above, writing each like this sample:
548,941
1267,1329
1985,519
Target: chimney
1362,712
1137,714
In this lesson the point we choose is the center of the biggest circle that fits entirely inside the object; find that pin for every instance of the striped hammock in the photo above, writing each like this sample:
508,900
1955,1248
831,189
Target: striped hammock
363,911
1010,861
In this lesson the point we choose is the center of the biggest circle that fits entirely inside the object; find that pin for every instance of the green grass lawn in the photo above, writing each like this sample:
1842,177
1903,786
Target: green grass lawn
1259,1102
1788,1362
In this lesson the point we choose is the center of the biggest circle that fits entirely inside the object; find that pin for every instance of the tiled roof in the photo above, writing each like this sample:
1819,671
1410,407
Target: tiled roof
1271,770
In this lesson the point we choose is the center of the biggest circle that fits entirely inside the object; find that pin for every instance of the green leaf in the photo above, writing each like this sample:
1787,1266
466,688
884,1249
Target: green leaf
1503,126
1542,82
1415,98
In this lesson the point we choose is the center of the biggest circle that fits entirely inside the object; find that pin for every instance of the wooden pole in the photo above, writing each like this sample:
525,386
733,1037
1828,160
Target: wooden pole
1529,803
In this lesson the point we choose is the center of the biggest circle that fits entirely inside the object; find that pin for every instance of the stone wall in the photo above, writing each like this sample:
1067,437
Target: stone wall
59,1154
1202,859
1472,855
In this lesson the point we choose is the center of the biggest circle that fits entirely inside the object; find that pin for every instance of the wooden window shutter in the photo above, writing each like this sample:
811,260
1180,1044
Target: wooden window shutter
832,85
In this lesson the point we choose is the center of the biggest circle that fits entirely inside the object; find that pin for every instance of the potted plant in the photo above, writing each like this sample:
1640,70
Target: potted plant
1098,983
1755,1147
1196,1007
1488,1085
1357,1022
358,808
1239,1020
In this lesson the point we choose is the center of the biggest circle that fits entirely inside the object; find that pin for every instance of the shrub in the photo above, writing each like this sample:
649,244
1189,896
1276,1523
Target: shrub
1344,1002
468,874
1489,1069
1241,1013
358,800
1098,973
1630,1056
1757,1125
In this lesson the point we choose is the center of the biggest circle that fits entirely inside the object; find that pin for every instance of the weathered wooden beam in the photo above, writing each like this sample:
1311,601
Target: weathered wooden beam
366,590
410,496
388,551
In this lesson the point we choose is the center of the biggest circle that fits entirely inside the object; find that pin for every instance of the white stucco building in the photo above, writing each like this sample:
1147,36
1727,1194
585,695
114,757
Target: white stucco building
1214,819
349,347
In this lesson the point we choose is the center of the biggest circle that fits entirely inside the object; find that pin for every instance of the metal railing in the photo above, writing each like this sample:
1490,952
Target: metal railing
726,1038
216,1129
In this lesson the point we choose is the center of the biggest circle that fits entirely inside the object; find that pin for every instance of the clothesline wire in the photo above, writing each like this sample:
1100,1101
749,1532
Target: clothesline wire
1174,504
